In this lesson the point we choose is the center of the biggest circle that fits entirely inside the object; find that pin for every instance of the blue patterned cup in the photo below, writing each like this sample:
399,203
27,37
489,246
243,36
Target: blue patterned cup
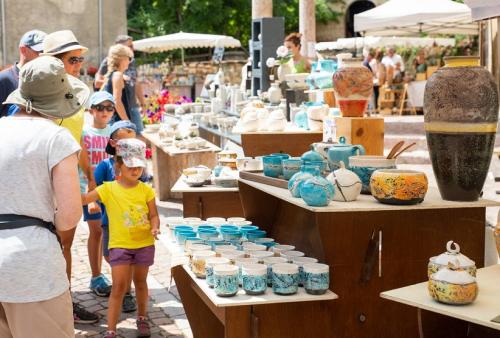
260,255
232,255
279,248
248,249
317,278
291,255
239,262
300,261
209,268
273,165
254,278
254,234
269,262
220,248
268,242
199,260
285,278
291,166
225,280
365,166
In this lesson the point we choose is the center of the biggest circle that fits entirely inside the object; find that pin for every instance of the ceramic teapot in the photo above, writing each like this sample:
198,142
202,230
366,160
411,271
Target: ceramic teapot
342,152
452,254
453,285
311,155
347,184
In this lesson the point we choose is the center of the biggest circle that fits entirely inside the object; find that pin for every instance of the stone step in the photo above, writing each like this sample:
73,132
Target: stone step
420,140
412,157
404,125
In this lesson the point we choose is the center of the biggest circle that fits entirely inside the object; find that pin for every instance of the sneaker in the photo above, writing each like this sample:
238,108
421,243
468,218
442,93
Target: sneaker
129,304
143,329
109,334
100,285
82,316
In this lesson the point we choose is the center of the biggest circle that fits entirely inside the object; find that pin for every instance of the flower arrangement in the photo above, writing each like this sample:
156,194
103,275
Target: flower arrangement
283,56
156,105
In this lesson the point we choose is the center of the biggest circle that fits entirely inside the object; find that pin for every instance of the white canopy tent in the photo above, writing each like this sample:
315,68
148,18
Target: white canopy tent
378,41
484,9
184,40
412,17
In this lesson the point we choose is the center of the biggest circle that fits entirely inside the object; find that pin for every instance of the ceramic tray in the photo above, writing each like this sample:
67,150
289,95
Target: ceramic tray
259,177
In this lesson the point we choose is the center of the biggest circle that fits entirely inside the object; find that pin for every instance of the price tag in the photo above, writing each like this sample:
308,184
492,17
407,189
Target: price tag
218,54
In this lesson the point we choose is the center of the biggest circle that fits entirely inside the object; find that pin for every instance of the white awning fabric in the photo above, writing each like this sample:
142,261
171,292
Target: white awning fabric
184,40
379,41
484,9
413,17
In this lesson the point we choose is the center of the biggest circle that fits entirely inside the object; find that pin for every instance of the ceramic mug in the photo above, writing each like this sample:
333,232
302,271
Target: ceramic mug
239,262
225,280
199,260
365,166
273,166
260,255
291,166
285,278
279,248
316,278
209,268
269,262
301,261
254,278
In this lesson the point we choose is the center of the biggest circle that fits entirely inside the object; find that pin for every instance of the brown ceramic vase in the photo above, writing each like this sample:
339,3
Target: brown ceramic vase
461,114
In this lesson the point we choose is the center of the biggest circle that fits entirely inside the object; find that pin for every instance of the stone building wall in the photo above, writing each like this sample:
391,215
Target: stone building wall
80,16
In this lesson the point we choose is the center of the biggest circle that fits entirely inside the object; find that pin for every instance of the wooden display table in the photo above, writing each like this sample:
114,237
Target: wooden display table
169,161
294,143
209,201
244,316
347,236
452,320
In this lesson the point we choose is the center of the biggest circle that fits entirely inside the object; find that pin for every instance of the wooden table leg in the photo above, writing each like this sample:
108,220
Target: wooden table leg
238,322
434,325
160,173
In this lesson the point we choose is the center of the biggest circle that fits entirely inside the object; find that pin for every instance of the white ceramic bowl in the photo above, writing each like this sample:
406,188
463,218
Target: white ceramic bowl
296,80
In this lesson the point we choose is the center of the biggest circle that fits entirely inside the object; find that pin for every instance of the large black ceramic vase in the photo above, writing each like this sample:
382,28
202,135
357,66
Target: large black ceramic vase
461,114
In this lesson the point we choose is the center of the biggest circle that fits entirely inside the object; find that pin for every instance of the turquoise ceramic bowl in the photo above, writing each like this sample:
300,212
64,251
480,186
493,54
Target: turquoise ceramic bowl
183,235
208,234
364,166
225,228
230,235
207,227
268,242
182,228
291,166
254,234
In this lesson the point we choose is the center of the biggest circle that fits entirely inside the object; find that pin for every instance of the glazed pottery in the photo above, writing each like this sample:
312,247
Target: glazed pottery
214,242
246,228
283,70
232,255
266,241
274,93
231,220
194,241
209,268
254,278
295,183
453,255
269,262
207,233
254,234
322,166
311,155
300,119
276,121
279,248
181,236
400,187
452,285
291,255
317,191
239,262
300,261
341,152
285,278
365,166
316,278
219,249
230,235
315,116
225,280
273,166
227,227
260,255
248,249
291,166
346,183
353,87
199,260
460,115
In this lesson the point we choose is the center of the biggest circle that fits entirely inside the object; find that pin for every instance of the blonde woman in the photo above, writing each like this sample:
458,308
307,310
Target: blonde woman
119,57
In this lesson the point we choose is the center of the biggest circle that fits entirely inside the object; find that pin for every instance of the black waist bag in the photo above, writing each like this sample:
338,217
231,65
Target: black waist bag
11,221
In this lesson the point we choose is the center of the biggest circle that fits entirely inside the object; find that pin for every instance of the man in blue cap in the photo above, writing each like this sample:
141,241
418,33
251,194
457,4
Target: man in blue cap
30,46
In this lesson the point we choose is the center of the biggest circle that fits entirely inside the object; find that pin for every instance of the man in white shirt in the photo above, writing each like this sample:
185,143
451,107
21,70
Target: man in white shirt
394,60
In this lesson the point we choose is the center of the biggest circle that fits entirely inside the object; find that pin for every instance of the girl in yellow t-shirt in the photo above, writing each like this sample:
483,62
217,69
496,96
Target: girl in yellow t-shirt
133,226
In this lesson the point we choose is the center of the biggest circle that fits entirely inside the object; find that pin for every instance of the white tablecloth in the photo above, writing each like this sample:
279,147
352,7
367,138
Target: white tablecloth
416,93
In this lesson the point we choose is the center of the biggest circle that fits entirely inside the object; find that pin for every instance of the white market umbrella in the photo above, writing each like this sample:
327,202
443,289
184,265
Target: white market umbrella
184,40
378,41
484,9
412,17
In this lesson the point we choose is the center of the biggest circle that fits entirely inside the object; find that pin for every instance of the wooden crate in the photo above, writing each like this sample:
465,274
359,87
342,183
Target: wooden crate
367,131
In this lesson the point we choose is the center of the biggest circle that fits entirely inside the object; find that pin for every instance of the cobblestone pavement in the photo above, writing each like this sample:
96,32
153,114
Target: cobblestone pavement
166,314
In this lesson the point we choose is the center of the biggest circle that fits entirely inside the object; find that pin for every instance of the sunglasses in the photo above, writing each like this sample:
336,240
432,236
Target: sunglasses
75,59
101,107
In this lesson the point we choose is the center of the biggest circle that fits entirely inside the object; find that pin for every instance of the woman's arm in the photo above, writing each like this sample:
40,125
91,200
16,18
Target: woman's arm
154,220
66,192
118,84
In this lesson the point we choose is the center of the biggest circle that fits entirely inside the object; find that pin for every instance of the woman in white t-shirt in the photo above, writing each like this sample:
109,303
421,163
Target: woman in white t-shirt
39,180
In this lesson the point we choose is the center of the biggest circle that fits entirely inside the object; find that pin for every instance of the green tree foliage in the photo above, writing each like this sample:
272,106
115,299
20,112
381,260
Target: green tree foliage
229,17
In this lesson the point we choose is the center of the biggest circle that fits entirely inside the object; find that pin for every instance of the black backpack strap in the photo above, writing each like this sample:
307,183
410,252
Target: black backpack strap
12,221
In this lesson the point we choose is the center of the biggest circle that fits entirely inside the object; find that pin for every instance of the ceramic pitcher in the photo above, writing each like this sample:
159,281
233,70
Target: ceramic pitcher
342,152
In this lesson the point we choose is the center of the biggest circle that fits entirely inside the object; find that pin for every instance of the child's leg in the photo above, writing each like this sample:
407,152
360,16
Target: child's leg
130,278
94,246
141,289
120,275
105,242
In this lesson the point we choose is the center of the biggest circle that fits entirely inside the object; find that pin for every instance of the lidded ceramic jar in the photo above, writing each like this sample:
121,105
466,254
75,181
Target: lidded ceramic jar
274,93
317,191
346,183
460,120
209,268
199,261
400,187
285,278
353,87
316,278
276,121
254,278
452,254
226,280
453,285
298,179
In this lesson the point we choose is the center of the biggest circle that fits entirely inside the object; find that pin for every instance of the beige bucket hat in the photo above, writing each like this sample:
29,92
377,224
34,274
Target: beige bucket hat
61,42
45,87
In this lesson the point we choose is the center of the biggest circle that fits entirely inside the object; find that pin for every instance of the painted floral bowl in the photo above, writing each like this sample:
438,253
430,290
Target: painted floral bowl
364,166
454,294
393,186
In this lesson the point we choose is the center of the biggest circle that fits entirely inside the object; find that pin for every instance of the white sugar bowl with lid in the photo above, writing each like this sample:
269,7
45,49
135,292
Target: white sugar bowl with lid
452,254
347,184
453,285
